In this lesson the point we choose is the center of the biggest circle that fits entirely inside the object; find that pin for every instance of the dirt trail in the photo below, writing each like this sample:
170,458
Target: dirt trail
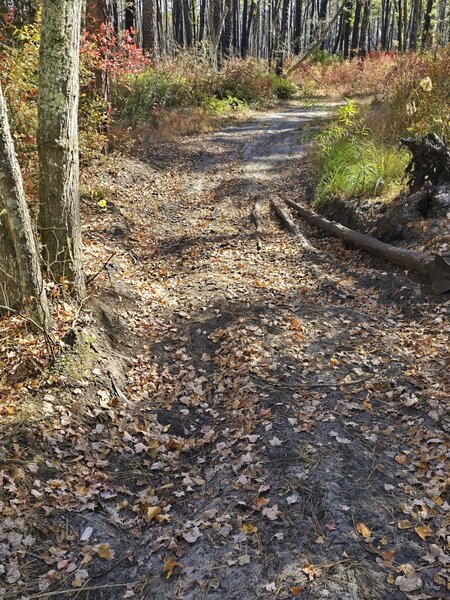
285,412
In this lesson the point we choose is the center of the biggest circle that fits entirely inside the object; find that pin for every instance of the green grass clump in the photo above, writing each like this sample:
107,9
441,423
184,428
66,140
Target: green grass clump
351,167
224,106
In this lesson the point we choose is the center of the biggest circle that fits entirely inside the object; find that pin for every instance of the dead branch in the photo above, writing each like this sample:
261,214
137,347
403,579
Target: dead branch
435,269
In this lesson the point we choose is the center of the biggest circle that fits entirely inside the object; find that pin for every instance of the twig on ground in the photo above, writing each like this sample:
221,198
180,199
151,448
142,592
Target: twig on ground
78,590
95,275
294,386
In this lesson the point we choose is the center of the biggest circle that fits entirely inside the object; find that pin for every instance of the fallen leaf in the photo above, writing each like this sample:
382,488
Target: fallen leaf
400,458
103,551
152,512
248,528
423,531
296,590
169,566
409,581
363,530
312,571
192,535
271,512
86,534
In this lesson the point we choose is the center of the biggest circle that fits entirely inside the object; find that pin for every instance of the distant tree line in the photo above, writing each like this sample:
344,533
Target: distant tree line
266,28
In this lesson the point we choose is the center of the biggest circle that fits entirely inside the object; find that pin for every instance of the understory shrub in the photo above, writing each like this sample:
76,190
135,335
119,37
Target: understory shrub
140,97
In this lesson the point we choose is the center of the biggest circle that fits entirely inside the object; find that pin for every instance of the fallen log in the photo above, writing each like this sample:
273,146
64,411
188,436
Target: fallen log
257,218
284,216
435,269
287,220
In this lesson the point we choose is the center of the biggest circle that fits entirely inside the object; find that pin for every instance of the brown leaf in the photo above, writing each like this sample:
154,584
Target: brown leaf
249,528
152,512
423,531
103,551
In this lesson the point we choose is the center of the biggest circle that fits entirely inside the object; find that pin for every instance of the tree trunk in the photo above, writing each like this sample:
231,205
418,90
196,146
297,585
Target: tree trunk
427,37
187,23
130,9
347,28
281,42
297,26
21,284
244,33
364,29
59,214
415,24
227,29
150,27
355,34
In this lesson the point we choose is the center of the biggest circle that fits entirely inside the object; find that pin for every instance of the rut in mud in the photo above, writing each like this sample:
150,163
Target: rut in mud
281,431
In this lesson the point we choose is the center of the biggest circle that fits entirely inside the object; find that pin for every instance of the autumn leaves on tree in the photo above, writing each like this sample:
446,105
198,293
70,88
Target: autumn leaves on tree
21,277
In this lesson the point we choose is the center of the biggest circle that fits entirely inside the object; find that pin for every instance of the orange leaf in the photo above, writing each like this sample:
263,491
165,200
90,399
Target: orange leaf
400,458
363,530
169,566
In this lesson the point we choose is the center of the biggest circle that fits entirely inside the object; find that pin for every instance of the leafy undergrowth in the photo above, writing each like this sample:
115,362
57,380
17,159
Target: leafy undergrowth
238,424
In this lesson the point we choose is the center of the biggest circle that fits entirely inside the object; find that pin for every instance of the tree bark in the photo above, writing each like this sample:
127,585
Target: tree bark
281,42
355,33
435,269
21,283
297,26
150,27
364,29
427,37
59,214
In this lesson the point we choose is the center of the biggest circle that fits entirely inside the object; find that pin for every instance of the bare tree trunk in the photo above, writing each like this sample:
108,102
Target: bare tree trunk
355,33
427,37
59,215
281,41
150,27
21,284
297,26
364,29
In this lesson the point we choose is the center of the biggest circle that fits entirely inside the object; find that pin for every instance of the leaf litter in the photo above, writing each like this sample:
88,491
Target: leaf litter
182,458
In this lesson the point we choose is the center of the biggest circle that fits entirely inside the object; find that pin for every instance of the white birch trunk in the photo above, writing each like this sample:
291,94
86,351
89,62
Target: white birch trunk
21,285
59,215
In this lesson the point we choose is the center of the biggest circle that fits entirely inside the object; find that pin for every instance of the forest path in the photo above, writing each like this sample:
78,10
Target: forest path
249,368
281,431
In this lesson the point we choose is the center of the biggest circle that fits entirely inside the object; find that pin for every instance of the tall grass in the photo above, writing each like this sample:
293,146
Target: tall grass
351,163
351,167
